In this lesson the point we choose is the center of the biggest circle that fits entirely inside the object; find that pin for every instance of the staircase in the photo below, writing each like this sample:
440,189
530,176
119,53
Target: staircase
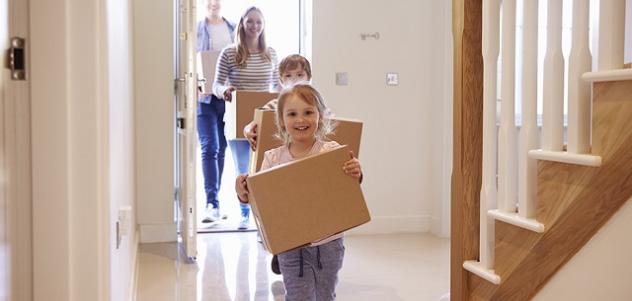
574,200
540,200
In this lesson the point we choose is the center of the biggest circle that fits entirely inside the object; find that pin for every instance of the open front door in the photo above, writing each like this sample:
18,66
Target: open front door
186,101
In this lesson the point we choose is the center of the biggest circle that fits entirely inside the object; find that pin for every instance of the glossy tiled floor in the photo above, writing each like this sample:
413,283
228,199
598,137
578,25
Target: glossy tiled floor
233,266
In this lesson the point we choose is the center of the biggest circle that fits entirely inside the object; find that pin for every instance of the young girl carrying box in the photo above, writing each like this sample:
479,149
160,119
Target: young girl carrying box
309,273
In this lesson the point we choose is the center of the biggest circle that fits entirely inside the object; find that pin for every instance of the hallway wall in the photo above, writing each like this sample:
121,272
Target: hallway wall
121,148
154,113
406,140
70,150
82,137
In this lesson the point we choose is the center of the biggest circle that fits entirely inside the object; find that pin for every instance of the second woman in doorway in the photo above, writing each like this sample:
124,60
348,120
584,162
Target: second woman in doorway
214,32
251,65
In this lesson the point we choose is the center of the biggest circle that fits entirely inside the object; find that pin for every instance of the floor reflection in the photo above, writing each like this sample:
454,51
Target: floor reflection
235,267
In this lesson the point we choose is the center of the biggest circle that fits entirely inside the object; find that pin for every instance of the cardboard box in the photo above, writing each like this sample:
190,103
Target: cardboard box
266,140
306,200
239,111
206,62
347,132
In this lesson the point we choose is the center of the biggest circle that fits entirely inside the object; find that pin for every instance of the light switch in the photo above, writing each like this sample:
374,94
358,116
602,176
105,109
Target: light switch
392,79
342,79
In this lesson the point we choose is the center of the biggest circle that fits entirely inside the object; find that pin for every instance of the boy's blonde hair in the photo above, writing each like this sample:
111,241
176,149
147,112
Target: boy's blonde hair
294,61
311,96
240,40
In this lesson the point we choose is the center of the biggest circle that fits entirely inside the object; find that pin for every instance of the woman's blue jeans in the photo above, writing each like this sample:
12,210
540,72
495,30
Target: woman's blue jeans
210,126
240,148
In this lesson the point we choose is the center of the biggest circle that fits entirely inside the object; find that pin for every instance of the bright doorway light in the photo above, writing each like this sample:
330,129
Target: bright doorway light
282,21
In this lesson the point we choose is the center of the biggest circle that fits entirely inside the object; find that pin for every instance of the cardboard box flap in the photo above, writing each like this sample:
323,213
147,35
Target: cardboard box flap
306,200
206,63
347,131
239,111
266,140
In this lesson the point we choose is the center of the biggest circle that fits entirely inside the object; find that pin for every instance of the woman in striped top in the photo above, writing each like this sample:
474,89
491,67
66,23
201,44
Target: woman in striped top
251,65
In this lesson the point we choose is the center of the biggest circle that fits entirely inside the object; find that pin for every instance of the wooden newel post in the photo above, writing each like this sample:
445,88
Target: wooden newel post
468,140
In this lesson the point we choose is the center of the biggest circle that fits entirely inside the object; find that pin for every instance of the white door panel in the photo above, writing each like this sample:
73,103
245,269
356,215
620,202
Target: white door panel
187,134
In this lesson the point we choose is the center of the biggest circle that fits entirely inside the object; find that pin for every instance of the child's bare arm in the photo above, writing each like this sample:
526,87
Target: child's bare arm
241,187
353,168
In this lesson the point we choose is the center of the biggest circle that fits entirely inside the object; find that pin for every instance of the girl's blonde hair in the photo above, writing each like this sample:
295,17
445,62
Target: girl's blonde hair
311,96
240,40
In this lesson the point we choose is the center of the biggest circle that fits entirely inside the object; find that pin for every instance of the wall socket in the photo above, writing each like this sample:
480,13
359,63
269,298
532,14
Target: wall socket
392,79
342,78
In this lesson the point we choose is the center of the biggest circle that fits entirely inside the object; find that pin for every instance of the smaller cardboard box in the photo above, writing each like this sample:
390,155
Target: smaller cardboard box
306,200
266,140
239,111
206,62
346,132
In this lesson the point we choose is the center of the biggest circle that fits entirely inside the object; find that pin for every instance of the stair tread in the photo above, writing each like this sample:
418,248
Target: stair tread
517,220
478,269
608,75
566,157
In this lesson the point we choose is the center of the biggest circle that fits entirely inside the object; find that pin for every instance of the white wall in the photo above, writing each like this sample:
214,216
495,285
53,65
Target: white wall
601,270
70,157
154,118
406,142
82,137
121,150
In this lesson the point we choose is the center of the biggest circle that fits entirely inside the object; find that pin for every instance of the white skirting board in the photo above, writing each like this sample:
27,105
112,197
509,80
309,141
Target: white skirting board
150,233
394,224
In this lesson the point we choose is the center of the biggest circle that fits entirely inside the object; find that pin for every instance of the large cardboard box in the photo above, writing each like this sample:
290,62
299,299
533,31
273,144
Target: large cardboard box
239,111
206,62
306,200
347,132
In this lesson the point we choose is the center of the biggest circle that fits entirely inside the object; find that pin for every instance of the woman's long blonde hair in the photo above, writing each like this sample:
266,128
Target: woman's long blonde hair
240,40
311,96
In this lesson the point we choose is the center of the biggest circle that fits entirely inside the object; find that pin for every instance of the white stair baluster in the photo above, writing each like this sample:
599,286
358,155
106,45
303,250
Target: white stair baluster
580,61
553,86
611,34
529,136
491,32
507,150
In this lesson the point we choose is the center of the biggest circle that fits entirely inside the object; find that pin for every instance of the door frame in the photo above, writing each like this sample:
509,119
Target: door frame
16,132
186,96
